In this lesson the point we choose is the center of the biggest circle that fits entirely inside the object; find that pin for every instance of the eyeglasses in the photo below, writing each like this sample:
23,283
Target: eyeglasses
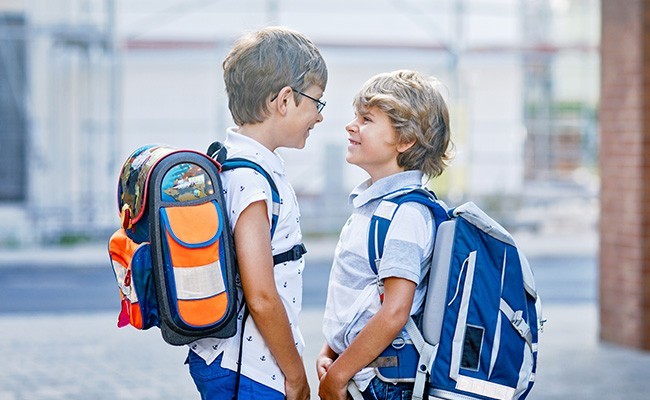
319,104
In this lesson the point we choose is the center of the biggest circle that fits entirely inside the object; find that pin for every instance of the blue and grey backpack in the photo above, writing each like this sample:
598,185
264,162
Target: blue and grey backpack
477,338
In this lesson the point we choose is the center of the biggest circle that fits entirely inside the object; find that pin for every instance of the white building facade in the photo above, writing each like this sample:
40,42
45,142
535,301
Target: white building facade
104,77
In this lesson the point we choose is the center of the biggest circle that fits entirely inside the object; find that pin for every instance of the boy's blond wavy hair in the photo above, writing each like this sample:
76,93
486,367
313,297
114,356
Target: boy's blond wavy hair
418,113
261,63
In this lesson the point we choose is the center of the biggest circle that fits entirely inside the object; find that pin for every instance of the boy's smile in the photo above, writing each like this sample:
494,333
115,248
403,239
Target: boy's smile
373,144
307,116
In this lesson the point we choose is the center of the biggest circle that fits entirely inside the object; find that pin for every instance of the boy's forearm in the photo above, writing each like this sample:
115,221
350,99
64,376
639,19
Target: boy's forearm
252,241
271,320
378,333
380,330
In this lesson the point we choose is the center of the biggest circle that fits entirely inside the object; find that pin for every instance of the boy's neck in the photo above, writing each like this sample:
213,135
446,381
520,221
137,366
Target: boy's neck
260,132
376,175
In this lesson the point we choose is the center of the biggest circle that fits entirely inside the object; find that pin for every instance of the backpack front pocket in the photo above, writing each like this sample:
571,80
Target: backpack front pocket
192,263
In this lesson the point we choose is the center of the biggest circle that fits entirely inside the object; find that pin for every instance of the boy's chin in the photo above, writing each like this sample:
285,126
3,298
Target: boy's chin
349,159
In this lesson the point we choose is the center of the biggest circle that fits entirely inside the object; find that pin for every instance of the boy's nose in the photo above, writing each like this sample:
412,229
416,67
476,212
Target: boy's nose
350,127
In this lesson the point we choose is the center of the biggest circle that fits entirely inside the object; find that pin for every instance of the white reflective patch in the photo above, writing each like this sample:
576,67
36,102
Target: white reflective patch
463,311
120,275
484,388
386,209
199,282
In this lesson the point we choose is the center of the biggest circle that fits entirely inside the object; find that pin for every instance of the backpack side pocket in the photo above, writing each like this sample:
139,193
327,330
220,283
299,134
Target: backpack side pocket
132,267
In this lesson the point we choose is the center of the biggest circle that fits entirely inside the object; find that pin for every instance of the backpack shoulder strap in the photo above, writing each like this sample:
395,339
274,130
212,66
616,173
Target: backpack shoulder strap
234,163
386,210
219,153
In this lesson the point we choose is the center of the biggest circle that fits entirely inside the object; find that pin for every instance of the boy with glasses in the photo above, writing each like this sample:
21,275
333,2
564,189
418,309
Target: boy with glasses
274,78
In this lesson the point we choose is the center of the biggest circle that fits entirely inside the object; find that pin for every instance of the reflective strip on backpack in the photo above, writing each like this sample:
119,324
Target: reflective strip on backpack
199,282
459,334
484,388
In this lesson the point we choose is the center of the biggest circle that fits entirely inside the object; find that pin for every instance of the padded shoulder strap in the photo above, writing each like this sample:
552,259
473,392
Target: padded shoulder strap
383,215
234,163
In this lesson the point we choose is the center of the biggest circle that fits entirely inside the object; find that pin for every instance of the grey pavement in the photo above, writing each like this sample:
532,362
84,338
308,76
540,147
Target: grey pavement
85,356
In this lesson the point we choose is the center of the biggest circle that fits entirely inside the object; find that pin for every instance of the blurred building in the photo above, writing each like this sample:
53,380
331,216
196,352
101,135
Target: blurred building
85,82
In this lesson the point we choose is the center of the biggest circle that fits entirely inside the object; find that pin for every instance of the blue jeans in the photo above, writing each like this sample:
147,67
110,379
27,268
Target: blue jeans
217,383
380,390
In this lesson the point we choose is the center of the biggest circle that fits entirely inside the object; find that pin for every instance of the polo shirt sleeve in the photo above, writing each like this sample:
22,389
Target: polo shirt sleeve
243,187
408,245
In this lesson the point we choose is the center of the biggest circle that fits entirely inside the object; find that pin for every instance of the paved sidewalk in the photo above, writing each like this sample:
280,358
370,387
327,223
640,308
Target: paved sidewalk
52,357
85,356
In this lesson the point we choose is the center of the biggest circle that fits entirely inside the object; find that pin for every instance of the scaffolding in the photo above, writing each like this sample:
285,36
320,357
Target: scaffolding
60,60
61,94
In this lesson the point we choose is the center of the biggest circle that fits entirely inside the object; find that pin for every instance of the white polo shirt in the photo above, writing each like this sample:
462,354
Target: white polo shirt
242,187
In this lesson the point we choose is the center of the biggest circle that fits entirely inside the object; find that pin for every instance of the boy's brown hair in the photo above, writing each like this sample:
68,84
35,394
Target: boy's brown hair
418,113
261,63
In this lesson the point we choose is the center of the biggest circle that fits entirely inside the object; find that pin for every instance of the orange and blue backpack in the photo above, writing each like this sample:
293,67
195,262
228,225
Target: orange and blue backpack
173,257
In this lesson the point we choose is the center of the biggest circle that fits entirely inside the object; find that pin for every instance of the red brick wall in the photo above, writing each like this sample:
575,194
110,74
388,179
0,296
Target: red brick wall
625,170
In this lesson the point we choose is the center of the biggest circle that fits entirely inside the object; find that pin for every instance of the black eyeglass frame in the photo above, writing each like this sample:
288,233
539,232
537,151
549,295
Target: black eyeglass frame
319,104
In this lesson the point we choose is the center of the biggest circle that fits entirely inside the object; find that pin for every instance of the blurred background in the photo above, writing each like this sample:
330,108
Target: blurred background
83,83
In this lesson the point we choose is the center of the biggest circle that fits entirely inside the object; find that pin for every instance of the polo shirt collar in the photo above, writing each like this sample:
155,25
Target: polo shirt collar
367,191
243,146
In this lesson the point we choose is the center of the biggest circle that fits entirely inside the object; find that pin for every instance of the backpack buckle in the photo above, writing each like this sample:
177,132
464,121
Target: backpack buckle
520,325
398,343
293,254
297,251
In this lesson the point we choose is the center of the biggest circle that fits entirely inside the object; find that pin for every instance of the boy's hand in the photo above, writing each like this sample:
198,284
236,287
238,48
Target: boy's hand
323,364
298,389
332,388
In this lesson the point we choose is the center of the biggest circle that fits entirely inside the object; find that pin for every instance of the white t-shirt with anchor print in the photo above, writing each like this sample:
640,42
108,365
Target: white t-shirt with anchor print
242,187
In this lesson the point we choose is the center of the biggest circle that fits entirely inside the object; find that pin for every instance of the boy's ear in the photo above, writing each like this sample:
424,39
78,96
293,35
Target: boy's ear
282,101
402,147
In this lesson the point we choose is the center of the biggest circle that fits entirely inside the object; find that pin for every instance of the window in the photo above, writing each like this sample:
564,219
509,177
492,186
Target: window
13,126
